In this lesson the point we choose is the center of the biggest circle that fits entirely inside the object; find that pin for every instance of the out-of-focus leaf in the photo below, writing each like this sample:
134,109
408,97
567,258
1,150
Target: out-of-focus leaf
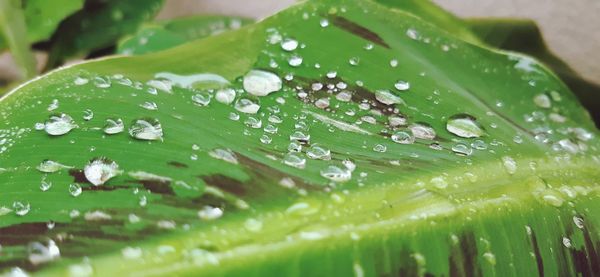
99,25
12,27
165,34
524,36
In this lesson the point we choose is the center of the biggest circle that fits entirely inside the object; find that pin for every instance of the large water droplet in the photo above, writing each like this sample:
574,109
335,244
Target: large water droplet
225,96
422,131
300,136
464,126
202,98
289,44
462,149
39,253
402,85
100,170
210,213
146,129
261,83
49,166
403,137
59,125
294,160
542,100
21,208
295,60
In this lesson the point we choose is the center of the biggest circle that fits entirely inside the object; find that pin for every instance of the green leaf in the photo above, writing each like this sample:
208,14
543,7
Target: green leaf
166,34
12,25
524,36
384,185
42,17
99,25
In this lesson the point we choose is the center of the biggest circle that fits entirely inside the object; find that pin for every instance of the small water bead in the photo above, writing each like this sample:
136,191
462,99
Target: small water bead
40,253
316,86
436,146
295,60
380,148
403,137
113,126
464,126
146,129
393,63
422,131
225,96
45,185
164,85
58,125
462,149
396,121
98,171
275,119
253,122
542,100
80,81
557,118
294,160
289,44
253,225
102,82
75,190
582,134
88,115
224,154
210,213
510,165
271,129
368,46
578,222
21,208
479,145
294,147
354,61
331,74
336,174
322,103
412,33
344,96
318,152
568,145
49,166
247,106
202,98
387,98
402,85
53,105
300,136
324,22
265,139
490,257
439,182
261,83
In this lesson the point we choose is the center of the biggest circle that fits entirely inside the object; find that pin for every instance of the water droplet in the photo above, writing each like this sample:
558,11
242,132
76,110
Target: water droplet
490,258
261,83
300,136
396,121
224,154
289,44
542,100
253,225
45,185
336,174
412,33
59,125
402,85
225,96
354,61
462,149
294,147
88,115
271,129
100,170
49,166
324,22
318,152
294,160
202,98
210,213
578,222
553,199
295,61
387,98
510,165
422,131
40,253
79,81
245,105
403,137
75,190
113,126
265,139
393,63
566,242
146,129
464,126
331,74
322,103
379,148
21,208
439,182
253,122
53,105
164,85
102,82
131,252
